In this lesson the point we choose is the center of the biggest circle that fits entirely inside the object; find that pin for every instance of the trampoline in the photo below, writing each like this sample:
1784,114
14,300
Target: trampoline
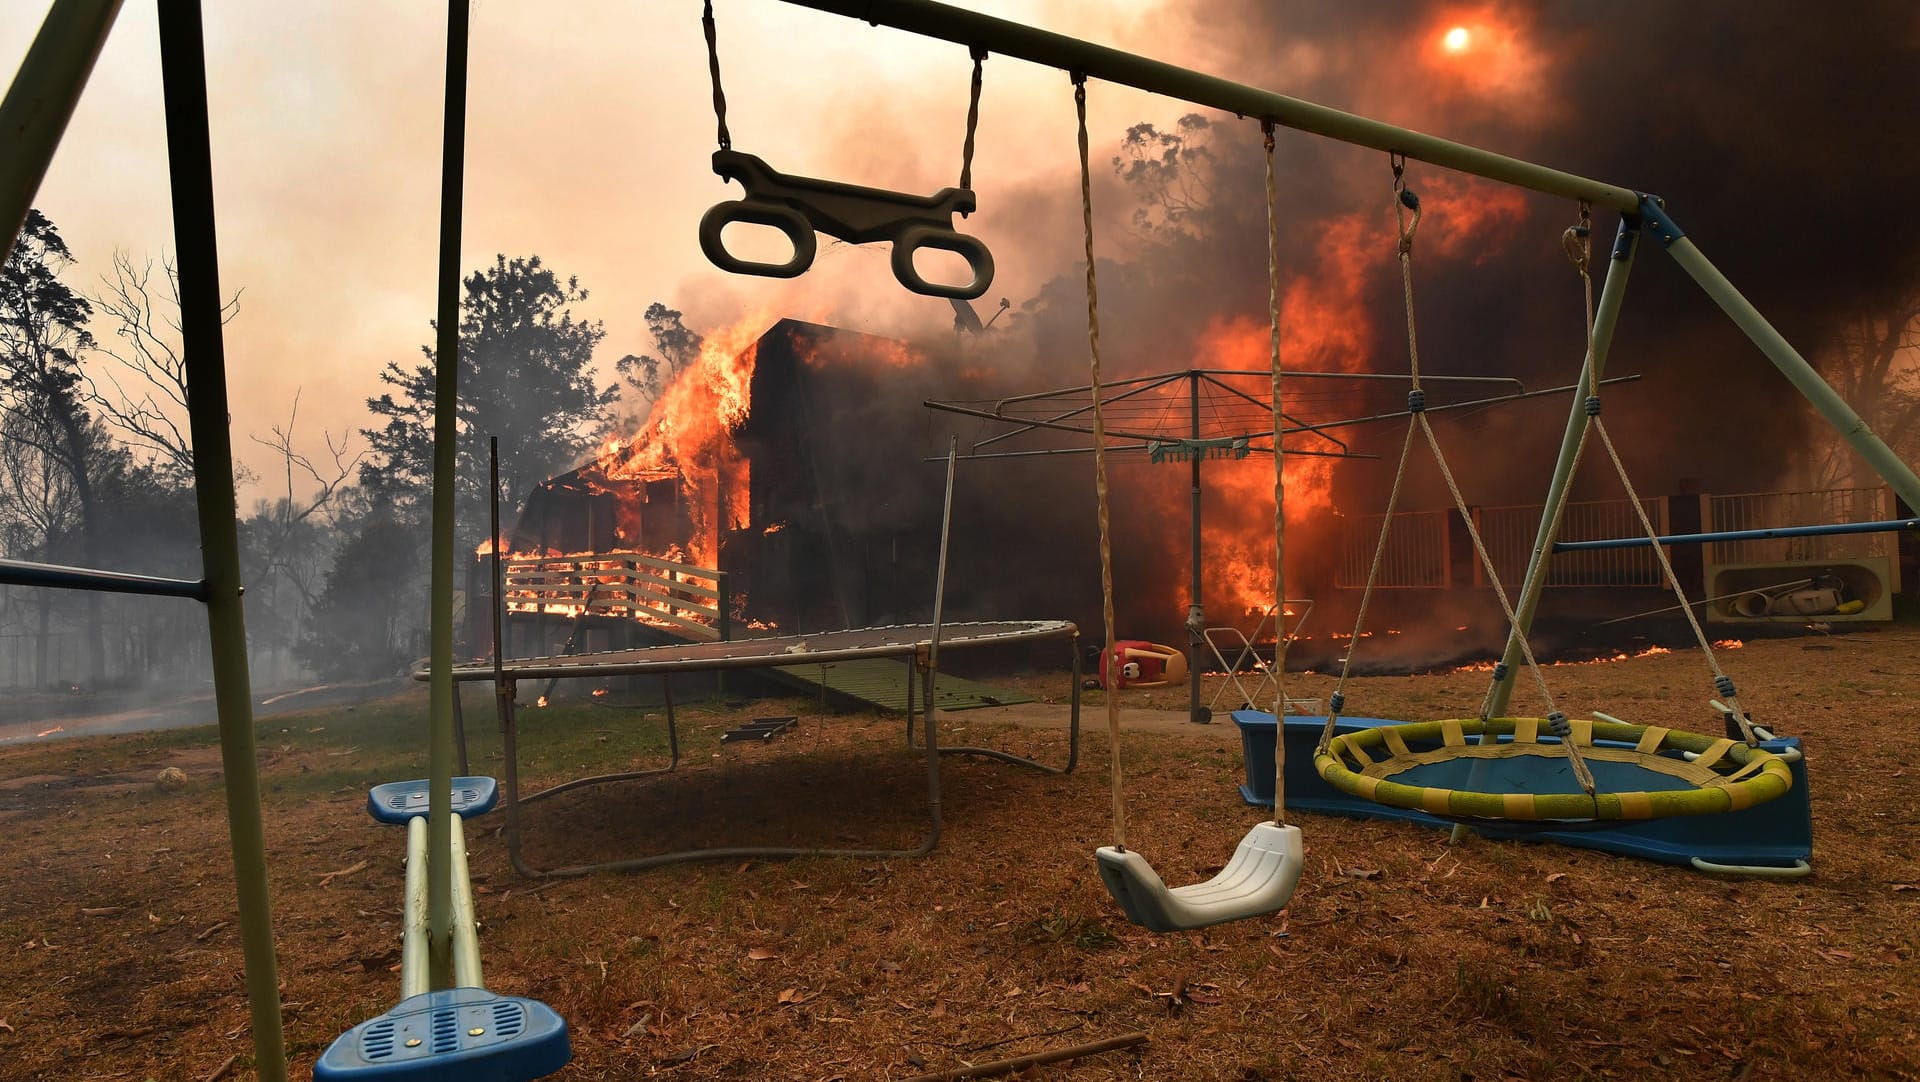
1512,771
912,643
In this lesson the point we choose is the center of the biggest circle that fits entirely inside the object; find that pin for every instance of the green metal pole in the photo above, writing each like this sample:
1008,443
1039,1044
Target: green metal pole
183,72
446,435
1111,65
1196,613
40,102
1606,317
1824,398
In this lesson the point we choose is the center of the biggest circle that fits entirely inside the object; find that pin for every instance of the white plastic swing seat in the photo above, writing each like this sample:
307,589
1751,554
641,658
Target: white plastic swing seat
1260,879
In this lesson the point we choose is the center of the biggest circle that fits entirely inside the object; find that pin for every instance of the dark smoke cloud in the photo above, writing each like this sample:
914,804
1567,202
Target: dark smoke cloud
1777,137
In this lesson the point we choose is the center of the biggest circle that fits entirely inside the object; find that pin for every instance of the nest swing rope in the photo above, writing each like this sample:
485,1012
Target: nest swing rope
1689,774
1265,868
1407,211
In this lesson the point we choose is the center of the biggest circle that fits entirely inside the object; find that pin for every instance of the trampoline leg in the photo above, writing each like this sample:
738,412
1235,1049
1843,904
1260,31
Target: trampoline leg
933,762
673,729
1073,727
1073,715
510,752
911,673
673,759
460,732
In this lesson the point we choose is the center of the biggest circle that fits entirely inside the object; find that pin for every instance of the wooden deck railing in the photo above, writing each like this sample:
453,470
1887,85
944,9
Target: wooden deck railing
693,602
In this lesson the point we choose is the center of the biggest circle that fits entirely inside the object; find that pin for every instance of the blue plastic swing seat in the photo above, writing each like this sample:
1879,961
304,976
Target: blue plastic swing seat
395,802
455,1035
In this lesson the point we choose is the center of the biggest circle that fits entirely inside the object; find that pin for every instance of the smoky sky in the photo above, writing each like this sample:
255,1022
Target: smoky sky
1780,142
1777,140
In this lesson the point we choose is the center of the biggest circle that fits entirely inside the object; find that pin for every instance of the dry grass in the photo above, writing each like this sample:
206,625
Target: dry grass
1487,960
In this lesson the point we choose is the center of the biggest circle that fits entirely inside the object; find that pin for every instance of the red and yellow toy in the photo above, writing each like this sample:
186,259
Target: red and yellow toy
1136,663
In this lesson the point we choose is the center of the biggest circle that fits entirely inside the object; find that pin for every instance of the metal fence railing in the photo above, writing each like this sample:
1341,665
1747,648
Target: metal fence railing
1417,555
1509,535
1762,510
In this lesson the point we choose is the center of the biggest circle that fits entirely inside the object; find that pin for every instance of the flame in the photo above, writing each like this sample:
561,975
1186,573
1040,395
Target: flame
688,437
1611,659
878,352
1728,644
598,692
541,702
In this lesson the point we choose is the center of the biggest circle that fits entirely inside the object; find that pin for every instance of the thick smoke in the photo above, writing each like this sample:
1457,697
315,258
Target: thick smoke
1768,133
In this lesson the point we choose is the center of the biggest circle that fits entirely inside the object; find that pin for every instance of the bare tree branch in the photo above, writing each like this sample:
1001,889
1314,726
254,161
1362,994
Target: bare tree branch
142,391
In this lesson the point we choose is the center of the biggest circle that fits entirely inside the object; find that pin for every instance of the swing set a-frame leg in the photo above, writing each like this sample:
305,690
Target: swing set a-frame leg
1605,317
1845,421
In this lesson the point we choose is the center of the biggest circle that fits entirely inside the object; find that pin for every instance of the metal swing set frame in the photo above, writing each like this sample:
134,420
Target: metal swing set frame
41,99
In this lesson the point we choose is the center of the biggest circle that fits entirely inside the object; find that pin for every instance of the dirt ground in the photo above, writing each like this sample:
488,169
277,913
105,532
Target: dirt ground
1400,957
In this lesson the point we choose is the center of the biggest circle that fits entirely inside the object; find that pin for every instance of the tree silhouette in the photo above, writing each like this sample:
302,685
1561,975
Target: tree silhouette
43,332
677,347
526,376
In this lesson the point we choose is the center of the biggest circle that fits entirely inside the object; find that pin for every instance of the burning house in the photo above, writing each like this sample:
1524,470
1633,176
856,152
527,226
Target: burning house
788,480
781,469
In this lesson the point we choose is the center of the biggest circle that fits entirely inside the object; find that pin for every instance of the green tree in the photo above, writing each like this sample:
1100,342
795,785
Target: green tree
526,376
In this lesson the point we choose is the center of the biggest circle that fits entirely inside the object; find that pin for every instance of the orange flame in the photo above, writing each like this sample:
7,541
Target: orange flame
688,436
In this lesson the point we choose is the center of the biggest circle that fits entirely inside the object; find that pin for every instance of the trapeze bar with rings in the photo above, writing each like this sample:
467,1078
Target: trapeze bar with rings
1896,525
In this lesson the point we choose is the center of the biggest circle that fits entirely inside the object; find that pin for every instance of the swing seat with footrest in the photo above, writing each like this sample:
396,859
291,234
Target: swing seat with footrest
1260,879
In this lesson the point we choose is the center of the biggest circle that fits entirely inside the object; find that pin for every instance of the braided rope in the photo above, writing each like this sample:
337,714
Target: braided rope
1574,759
1407,213
713,72
1100,465
1279,492
1337,700
1578,241
973,120
1553,530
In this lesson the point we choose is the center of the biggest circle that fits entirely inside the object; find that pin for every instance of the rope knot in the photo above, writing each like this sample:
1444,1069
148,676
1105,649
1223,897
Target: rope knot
1558,725
1593,405
1337,701
1416,401
1723,684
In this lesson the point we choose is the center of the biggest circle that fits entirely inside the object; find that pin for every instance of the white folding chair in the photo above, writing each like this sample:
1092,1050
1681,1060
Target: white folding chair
1242,646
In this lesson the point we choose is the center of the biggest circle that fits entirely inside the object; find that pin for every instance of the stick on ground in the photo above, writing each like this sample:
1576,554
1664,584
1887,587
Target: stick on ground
1057,1055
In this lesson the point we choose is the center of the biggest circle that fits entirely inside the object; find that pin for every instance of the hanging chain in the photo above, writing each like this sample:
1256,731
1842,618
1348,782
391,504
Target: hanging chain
973,121
713,71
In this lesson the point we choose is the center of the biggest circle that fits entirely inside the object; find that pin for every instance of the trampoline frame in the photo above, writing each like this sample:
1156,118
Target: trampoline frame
911,642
